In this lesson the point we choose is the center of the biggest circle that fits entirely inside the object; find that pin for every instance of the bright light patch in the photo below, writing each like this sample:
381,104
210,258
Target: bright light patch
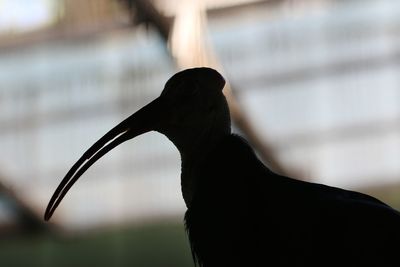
25,15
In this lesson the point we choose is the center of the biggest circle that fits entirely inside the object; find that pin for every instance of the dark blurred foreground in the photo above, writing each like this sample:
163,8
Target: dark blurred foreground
155,244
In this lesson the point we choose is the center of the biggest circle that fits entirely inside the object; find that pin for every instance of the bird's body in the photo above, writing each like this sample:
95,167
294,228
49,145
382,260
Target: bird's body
242,214
239,212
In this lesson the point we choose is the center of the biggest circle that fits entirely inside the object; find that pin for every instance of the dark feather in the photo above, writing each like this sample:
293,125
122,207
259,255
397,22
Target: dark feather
242,214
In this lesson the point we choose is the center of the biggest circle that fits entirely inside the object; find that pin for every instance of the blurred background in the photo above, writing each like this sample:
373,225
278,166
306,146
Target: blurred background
313,84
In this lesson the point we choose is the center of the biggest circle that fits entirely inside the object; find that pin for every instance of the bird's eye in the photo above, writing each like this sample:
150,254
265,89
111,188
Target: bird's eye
189,92
195,91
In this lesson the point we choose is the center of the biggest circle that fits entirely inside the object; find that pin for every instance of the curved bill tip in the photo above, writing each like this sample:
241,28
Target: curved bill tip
47,216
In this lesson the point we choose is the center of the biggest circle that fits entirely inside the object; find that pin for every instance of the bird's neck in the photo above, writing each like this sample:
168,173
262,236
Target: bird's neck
195,139
192,159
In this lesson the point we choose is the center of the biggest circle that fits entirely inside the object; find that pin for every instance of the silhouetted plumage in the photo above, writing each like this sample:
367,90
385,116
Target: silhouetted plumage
242,214
239,212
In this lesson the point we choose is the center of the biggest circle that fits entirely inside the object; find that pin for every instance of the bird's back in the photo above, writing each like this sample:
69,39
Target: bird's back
242,214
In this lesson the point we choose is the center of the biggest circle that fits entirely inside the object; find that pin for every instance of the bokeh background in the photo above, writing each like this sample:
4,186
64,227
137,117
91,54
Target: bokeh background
313,84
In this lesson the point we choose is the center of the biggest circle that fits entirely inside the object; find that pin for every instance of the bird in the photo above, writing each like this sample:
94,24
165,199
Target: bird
239,212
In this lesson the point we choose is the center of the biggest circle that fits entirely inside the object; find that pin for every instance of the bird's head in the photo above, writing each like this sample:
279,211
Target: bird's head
191,111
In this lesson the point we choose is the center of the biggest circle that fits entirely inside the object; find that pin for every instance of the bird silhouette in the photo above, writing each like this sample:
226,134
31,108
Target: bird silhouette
239,213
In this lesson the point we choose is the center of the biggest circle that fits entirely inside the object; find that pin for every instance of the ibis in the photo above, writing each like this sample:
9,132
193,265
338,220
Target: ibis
240,213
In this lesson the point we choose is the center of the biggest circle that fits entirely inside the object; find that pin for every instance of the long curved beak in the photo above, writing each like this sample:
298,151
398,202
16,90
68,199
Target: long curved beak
144,120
